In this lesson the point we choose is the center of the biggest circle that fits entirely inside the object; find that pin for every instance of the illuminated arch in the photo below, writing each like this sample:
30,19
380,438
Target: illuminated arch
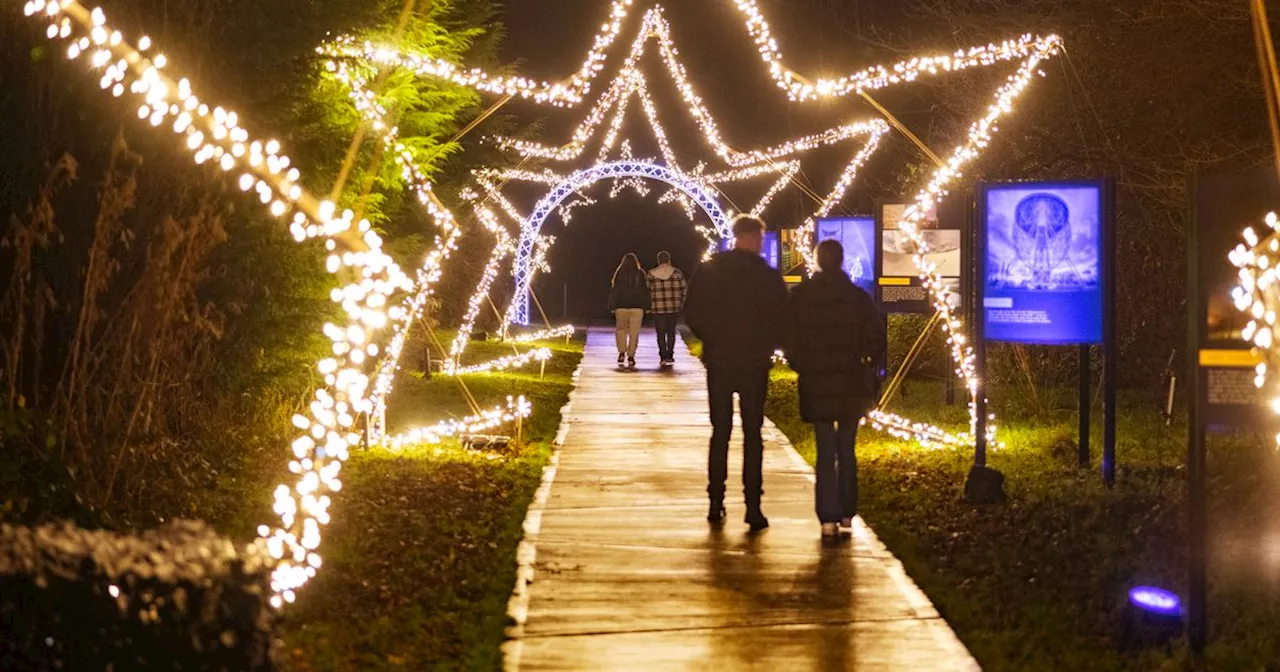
525,270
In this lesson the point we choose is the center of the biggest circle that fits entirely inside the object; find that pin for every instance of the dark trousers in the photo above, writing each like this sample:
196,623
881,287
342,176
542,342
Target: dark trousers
752,386
665,325
837,470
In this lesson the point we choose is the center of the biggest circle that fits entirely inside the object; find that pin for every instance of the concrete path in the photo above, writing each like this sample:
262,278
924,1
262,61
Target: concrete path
620,570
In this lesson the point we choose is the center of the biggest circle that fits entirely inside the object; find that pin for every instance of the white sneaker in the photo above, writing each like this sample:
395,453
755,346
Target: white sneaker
830,530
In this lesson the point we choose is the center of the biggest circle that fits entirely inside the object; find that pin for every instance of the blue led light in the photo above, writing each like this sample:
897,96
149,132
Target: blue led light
1156,600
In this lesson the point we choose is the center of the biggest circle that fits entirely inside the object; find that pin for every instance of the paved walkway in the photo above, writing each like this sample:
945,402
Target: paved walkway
622,572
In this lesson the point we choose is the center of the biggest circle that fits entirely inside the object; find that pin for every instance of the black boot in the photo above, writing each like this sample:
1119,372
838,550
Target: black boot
715,515
755,517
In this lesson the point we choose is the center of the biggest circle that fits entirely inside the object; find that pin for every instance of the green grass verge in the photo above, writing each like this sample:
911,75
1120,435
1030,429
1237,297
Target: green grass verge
420,556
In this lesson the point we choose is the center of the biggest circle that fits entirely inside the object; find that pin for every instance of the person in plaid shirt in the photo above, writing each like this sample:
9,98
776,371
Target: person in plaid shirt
667,290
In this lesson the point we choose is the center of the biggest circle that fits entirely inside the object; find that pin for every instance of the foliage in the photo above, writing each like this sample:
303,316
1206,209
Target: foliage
160,326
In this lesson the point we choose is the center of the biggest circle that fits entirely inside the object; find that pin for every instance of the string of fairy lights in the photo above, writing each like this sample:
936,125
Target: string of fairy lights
367,276
517,408
1258,296
359,375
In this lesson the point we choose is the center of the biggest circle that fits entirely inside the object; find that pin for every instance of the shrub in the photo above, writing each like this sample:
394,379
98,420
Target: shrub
176,598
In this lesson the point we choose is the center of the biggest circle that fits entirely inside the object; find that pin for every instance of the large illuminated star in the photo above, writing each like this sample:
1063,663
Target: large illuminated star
602,128
1027,52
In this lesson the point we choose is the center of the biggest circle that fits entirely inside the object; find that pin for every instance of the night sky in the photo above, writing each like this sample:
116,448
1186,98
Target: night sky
548,40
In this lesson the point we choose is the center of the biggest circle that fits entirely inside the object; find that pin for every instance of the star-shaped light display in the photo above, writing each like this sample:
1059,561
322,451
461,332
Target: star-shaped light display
378,297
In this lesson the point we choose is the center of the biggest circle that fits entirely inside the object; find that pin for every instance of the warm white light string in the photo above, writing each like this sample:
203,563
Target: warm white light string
213,134
549,334
632,82
927,435
517,408
798,88
582,201
503,248
1258,296
979,137
431,271
569,93
503,363
878,77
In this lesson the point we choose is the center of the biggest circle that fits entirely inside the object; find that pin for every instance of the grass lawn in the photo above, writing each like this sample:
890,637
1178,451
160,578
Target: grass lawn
420,557
1039,583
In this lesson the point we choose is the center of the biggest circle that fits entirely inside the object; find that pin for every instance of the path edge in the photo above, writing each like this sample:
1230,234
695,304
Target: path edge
527,550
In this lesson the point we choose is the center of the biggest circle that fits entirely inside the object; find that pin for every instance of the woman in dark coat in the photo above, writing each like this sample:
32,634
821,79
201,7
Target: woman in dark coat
836,344
629,299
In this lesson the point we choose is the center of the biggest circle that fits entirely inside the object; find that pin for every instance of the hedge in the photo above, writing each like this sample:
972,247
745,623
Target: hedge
176,598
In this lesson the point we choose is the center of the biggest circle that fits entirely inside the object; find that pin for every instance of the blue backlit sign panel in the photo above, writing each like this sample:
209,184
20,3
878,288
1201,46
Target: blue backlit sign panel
773,249
858,236
1042,262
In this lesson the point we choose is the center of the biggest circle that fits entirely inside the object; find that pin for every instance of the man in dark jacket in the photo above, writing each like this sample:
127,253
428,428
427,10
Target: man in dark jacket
836,343
736,306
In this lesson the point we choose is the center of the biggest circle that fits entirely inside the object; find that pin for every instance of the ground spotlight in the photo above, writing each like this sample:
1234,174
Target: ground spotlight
1153,617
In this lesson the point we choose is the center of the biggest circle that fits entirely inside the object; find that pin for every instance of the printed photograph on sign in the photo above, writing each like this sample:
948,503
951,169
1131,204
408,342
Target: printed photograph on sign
899,253
1044,263
894,213
1043,240
944,252
858,236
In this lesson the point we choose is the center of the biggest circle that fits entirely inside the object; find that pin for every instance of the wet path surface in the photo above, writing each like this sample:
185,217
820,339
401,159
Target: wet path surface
627,574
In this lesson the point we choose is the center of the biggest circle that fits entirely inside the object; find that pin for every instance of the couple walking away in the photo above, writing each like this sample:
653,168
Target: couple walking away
834,338
661,292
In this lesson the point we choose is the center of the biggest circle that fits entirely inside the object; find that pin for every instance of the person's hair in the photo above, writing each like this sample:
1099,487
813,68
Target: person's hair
746,225
830,256
629,270
664,257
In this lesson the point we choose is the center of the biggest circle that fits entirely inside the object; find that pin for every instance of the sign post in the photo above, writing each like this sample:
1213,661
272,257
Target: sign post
1046,277
1085,403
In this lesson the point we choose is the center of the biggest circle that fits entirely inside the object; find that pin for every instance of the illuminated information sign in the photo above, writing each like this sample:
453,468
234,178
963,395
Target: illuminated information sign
858,236
1042,248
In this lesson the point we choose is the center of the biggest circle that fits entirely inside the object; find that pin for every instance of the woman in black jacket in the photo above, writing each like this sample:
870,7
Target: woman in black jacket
629,299
836,343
